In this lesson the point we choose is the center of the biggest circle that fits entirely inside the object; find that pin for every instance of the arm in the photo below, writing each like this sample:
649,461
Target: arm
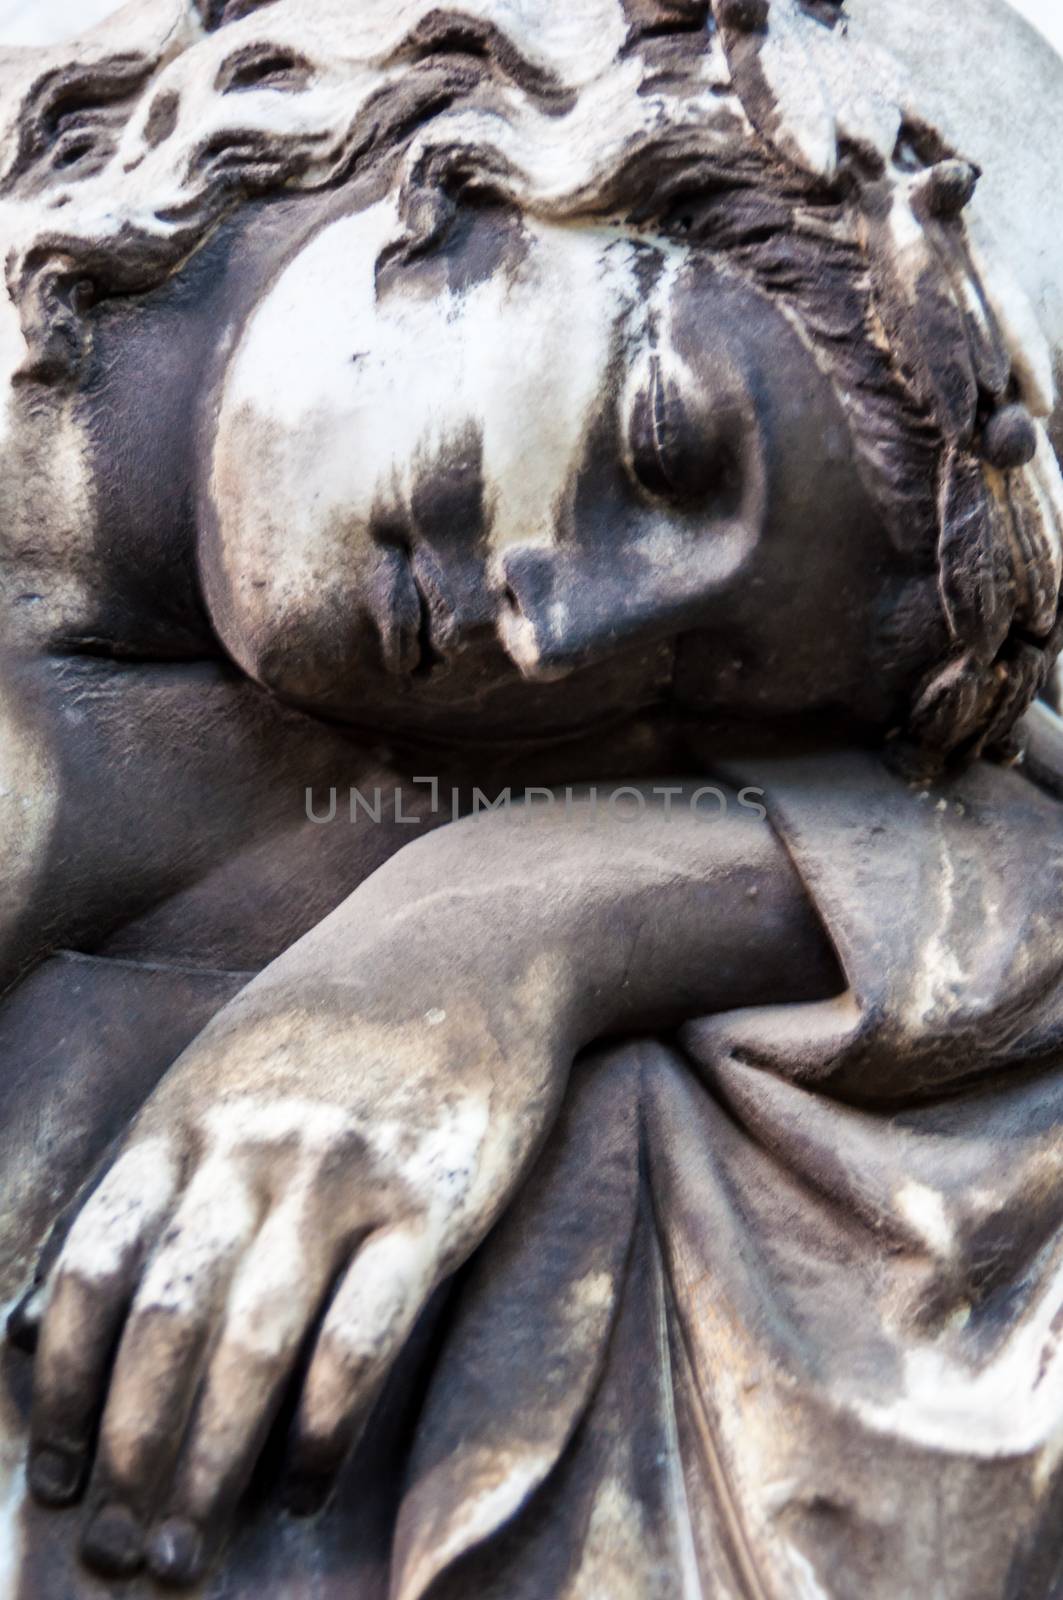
361,1113
28,808
565,925
127,787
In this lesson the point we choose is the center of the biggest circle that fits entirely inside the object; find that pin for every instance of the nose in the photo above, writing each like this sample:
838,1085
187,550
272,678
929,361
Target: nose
560,615
536,626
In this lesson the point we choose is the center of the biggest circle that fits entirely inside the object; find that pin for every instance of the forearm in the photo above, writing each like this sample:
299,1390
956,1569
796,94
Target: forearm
573,923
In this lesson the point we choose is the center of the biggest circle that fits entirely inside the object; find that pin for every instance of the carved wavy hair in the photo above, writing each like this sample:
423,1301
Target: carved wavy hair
714,123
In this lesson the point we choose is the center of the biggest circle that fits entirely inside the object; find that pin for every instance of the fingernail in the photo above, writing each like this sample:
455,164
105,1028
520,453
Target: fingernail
55,1476
1009,438
24,1322
175,1552
113,1543
945,190
305,1496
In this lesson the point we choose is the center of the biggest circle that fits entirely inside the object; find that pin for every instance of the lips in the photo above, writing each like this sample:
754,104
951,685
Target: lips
396,610
429,607
410,613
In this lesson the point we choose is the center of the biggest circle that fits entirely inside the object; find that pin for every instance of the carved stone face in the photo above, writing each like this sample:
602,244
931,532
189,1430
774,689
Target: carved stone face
532,478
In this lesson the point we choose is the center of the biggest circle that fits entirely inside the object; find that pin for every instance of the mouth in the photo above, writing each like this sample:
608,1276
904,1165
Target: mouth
423,642
423,630
427,658
411,616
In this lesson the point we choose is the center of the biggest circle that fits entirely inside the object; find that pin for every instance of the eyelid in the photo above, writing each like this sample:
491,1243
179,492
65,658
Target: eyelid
680,448
654,420
673,455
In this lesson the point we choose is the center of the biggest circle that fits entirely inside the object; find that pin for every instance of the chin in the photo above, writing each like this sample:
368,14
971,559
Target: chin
487,708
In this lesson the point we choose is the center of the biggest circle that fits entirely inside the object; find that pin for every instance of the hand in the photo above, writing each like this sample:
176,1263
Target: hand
295,1157
357,1118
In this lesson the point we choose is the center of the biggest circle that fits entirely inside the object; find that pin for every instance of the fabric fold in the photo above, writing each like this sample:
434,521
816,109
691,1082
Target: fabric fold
530,1333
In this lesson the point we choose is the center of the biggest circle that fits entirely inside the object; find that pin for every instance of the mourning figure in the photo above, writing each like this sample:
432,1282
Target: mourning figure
531,860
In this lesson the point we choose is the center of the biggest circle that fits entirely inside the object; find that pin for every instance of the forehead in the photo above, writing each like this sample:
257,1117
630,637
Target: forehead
558,288
388,373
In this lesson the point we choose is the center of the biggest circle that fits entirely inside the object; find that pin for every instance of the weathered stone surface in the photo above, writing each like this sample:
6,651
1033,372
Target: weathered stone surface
531,538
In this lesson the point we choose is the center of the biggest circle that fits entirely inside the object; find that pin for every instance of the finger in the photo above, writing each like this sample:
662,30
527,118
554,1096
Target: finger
87,1299
153,1384
275,1297
371,1317
24,1321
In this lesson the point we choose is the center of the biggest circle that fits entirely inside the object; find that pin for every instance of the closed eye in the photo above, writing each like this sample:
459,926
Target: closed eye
672,456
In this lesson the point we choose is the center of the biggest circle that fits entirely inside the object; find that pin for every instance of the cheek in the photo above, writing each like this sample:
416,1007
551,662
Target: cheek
283,560
293,485
338,402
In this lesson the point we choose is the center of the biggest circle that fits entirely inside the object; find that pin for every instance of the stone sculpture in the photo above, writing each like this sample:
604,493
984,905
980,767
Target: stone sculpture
529,807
